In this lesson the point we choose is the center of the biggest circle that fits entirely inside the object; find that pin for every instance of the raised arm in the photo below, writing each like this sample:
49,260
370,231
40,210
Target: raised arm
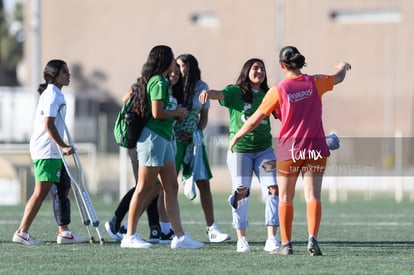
210,94
248,126
340,74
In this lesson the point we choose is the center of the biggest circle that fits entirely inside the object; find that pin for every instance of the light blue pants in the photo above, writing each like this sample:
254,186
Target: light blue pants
241,167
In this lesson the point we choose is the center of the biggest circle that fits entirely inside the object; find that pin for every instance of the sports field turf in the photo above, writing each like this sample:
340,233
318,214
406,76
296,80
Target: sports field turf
356,237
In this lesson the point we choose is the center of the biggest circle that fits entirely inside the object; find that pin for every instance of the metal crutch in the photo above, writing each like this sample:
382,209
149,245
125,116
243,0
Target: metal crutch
80,191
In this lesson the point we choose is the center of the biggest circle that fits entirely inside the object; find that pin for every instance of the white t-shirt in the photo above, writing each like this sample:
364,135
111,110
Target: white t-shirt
51,102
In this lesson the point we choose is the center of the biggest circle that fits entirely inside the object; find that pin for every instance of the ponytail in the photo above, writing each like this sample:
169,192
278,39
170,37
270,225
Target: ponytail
41,88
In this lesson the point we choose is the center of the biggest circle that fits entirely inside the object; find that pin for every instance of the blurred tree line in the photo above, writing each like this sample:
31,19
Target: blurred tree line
11,43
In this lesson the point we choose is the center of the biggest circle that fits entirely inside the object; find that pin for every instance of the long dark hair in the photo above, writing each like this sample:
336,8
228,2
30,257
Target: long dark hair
244,81
158,61
177,88
190,80
50,73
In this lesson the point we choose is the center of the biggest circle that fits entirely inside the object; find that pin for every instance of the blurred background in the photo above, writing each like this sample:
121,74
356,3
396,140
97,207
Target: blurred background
105,44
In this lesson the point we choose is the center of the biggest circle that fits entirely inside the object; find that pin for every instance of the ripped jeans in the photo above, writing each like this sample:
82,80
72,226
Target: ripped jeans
241,167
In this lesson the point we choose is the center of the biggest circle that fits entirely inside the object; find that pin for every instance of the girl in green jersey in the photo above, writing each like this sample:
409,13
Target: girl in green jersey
155,150
250,153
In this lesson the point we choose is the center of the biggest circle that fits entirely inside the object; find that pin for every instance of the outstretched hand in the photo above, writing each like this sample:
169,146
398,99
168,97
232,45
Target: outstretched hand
203,97
343,66
341,70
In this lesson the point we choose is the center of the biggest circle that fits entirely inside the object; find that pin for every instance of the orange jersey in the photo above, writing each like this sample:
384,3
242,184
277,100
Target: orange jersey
297,103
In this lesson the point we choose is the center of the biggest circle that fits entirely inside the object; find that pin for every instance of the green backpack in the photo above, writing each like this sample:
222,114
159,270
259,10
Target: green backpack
128,125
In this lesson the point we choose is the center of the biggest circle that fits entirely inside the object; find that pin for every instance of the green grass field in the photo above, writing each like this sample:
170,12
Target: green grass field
356,237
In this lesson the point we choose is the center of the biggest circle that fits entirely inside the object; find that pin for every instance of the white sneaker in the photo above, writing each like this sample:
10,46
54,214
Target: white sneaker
25,238
134,241
215,235
272,244
68,237
185,241
243,245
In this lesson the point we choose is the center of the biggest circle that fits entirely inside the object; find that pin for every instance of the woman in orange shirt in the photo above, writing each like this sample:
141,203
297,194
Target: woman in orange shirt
301,146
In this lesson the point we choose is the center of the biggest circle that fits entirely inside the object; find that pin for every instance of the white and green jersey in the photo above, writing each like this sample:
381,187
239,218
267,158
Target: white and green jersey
190,122
50,102
159,89
260,138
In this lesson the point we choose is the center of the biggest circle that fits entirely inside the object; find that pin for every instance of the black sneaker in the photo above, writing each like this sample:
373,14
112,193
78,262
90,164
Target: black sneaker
166,238
155,234
313,247
115,224
123,229
109,229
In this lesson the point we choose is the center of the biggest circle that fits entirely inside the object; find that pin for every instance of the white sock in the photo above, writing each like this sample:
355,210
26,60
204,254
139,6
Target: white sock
165,227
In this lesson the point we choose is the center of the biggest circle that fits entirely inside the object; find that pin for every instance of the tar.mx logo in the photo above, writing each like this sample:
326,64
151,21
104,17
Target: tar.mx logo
304,154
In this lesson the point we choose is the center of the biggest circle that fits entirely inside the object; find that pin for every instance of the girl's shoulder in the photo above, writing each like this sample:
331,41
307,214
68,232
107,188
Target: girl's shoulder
201,85
232,88
156,77
157,80
51,91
